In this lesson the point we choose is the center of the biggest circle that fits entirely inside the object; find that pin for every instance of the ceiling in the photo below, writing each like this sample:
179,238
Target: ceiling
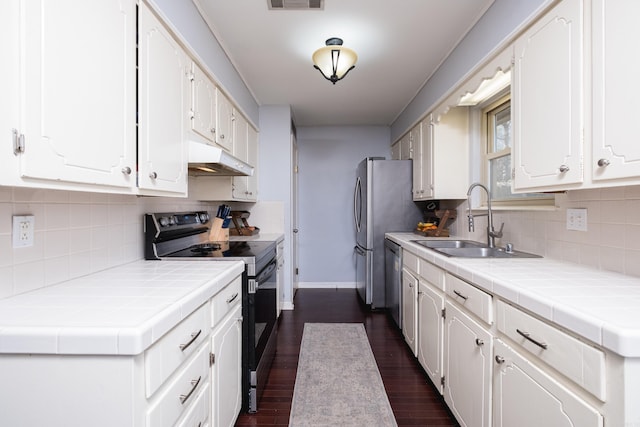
400,43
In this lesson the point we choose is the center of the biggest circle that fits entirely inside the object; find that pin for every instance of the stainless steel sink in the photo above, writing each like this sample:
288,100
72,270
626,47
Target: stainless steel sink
432,244
471,249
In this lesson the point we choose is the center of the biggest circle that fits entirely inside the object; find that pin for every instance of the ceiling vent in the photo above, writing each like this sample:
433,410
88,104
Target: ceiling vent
296,4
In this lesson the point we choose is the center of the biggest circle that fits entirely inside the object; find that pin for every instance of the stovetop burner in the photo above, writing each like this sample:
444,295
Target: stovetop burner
206,247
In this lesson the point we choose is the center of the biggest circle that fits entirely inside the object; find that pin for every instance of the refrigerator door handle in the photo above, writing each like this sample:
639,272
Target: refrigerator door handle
357,205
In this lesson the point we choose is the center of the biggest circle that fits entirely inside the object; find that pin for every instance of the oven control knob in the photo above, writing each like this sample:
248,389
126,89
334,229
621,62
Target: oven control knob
204,217
173,220
164,221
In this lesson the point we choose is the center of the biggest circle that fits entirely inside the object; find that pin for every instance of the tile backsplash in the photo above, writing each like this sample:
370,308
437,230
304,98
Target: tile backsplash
76,233
611,242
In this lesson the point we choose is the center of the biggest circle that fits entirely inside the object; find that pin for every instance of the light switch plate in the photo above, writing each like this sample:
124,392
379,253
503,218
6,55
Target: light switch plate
577,219
23,230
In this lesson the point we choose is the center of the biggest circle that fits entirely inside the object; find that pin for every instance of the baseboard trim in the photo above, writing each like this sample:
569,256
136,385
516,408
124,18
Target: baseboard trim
326,285
287,306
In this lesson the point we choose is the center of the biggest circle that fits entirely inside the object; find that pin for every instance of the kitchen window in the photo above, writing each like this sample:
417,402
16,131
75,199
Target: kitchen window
496,121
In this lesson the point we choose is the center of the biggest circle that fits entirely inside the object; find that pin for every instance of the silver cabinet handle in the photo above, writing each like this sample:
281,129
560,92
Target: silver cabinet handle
479,342
563,168
527,336
194,336
222,136
126,170
500,360
194,384
212,130
460,295
153,175
603,162
233,298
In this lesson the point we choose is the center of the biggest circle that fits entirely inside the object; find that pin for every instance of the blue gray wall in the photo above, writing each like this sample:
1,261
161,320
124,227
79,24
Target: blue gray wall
328,158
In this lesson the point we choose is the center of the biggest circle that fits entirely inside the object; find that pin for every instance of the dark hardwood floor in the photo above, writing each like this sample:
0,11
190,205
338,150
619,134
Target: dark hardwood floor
414,400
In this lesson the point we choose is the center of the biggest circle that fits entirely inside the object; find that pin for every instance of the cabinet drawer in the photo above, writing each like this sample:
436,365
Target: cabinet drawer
164,357
182,391
432,274
410,261
575,359
198,412
225,300
471,298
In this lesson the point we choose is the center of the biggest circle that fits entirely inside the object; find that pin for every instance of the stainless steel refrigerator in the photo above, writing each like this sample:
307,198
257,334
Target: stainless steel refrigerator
382,202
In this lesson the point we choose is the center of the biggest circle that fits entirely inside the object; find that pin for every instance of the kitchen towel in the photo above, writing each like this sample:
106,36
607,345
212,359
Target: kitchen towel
338,382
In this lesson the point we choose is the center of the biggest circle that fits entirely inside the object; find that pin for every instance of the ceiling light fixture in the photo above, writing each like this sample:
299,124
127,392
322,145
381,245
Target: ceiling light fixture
334,61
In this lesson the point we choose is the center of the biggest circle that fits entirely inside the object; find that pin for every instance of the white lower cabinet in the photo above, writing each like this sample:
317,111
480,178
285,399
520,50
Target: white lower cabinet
430,332
525,396
409,309
467,368
226,370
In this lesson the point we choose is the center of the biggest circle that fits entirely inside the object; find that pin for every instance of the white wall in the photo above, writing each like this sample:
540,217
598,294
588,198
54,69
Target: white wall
76,233
329,157
611,242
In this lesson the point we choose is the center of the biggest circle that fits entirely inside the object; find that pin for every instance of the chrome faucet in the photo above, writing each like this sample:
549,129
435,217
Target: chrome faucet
491,233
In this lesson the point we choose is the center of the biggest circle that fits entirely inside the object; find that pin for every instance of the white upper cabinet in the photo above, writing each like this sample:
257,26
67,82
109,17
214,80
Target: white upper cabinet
441,156
164,70
616,146
203,105
71,66
547,100
225,119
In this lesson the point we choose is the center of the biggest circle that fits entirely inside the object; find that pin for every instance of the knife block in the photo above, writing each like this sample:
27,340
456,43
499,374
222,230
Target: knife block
217,233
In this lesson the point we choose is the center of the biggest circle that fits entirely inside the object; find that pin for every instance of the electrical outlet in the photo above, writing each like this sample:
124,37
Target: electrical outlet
23,230
577,219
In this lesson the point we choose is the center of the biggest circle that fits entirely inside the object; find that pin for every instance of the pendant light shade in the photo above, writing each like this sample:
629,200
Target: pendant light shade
334,61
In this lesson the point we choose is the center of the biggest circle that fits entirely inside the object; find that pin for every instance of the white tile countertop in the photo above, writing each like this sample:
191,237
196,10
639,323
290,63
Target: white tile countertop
601,306
119,311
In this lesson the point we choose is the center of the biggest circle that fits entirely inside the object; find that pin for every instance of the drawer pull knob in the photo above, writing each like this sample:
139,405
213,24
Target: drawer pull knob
194,336
194,385
499,360
527,336
563,168
603,162
233,298
479,342
460,295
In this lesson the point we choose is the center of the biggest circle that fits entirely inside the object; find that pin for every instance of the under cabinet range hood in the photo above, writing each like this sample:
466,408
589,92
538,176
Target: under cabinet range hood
208,160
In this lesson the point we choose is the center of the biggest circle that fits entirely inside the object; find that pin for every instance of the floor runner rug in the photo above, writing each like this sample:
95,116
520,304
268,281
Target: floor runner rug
338,382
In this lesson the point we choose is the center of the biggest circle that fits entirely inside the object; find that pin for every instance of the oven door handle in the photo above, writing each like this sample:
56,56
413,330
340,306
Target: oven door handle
266,272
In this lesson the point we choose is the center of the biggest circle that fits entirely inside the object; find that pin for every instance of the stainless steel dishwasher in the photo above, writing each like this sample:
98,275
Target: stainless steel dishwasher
392,279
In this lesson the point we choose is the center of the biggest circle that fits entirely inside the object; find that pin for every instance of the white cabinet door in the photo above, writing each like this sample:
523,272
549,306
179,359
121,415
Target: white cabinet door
163,96
77,92
547,100
616,146
525,396
409,309
203,104
467,368
422,162
430,332
225,121
406,147
226,370
442,158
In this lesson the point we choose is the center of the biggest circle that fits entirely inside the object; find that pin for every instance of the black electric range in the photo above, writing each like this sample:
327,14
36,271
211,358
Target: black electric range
185,236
